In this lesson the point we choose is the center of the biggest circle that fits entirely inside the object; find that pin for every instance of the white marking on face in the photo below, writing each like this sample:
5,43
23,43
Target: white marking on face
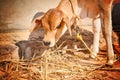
63,31
50,36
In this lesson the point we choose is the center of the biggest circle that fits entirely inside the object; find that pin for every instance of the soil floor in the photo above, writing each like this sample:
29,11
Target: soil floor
57,64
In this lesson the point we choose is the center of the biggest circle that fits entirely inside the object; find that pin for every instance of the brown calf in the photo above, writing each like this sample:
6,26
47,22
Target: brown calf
56,21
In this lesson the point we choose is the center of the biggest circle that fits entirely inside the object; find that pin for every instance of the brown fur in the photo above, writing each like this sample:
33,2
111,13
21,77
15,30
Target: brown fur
66,14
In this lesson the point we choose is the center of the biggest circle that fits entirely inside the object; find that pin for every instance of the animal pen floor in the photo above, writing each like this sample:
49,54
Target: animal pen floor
57,64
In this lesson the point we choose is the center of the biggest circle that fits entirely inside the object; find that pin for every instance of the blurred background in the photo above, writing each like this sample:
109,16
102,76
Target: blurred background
17,14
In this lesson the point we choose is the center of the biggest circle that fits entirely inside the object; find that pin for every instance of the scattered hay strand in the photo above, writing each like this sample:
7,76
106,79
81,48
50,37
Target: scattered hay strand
52,65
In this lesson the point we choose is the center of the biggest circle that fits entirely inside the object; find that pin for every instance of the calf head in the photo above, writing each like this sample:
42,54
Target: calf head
55,23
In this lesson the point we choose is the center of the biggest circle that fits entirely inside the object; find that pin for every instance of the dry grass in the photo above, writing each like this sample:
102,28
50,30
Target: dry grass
56,64
52,65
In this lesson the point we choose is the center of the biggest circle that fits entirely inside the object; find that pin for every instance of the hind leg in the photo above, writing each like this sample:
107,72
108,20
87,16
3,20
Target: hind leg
107,30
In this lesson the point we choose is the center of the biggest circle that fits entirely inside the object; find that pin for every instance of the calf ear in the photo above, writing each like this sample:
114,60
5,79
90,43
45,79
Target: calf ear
67,22
36,25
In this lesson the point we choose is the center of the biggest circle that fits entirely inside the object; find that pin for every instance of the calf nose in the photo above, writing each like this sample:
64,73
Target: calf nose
46,43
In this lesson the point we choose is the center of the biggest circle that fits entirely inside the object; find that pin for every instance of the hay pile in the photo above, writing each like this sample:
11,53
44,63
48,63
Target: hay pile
52,65
60,63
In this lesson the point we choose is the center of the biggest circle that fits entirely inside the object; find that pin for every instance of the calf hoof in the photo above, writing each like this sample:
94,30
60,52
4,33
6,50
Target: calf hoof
107,66
110,63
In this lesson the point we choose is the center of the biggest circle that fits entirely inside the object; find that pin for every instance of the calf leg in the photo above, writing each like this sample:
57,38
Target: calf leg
107,30
96,30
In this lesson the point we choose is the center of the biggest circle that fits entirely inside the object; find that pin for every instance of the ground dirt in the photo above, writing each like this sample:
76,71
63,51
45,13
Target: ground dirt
60,63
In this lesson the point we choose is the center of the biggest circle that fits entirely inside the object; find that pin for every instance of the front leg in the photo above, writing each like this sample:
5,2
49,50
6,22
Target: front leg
96,29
